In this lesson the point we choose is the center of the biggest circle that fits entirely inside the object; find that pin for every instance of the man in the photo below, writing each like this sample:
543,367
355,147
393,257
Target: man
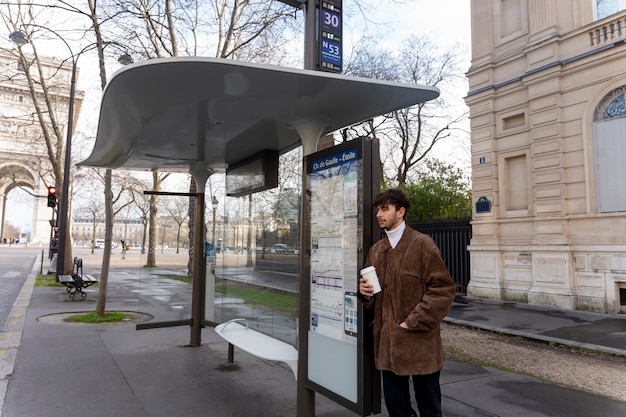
417,292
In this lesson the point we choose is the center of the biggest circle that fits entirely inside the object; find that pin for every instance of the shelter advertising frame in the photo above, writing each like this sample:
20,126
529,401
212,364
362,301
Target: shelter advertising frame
338,229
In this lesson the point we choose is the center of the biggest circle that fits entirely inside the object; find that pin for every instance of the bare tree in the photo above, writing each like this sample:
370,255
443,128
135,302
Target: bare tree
142,203
157,181
91,38
178,208
246,30
408,136
264,219
110,198
95,210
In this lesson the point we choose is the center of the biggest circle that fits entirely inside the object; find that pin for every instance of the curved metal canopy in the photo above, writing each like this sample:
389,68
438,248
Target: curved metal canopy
181,114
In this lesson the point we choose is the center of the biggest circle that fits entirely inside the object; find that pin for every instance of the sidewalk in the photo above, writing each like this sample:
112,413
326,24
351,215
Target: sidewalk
62,370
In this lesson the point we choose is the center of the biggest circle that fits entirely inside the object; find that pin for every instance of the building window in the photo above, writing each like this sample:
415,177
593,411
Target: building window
606,8
609,125
510,19
516,190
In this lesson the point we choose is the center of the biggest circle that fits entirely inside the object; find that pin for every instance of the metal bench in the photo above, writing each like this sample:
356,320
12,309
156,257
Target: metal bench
258,344
77,281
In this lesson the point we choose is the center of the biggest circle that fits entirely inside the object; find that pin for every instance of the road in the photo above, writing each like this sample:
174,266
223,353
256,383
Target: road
16,263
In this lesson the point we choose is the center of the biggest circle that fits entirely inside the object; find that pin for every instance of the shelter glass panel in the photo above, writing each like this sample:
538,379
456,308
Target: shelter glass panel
252,256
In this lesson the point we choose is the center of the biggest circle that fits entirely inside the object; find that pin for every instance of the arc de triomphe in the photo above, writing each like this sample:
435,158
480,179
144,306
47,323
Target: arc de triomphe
24,156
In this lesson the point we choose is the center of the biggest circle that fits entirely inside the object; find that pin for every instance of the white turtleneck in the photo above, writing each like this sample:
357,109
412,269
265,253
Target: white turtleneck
395,234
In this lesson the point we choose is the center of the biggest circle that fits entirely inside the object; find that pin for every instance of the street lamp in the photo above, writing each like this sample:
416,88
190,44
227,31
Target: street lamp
125,59
20,39
214,204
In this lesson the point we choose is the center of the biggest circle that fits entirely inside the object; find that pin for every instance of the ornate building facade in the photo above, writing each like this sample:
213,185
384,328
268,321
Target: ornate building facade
548,131
24,160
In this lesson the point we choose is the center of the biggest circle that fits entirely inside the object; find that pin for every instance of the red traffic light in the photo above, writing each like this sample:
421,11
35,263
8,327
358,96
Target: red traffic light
52,197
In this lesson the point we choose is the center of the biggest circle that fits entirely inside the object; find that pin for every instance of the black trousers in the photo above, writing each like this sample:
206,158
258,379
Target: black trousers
398,398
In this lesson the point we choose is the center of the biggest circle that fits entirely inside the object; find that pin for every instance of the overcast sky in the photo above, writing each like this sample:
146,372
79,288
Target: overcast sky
445,22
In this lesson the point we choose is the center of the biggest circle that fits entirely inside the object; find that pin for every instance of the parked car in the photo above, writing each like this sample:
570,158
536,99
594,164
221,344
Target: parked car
282,248
100,244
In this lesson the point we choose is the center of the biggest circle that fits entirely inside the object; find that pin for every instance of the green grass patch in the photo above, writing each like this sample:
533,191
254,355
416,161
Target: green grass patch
47,281
92,317
185,279
50,281
277,300
282,301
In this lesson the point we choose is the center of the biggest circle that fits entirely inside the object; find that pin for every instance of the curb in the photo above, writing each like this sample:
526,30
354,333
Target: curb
11,334
536,337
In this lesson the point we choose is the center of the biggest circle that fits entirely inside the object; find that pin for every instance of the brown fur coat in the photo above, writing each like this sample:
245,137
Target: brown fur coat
418,289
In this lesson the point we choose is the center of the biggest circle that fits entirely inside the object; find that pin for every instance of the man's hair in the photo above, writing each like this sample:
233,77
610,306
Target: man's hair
394,196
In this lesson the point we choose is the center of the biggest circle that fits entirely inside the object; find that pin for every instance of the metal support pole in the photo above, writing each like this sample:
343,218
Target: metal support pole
231,353
310,43
305,402
305,407
199,270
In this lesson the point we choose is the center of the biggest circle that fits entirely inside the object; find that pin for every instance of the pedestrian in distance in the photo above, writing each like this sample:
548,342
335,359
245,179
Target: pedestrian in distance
417,293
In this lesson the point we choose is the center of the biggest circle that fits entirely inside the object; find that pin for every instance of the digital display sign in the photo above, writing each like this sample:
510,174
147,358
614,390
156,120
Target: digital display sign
330,25
257,173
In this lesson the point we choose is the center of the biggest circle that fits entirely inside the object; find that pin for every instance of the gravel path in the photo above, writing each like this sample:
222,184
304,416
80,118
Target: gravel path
598,373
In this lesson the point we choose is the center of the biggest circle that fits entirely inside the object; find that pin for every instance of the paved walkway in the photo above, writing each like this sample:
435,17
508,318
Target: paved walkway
62,370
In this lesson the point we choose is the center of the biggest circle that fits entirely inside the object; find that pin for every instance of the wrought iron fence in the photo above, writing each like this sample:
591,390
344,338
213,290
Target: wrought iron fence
452,236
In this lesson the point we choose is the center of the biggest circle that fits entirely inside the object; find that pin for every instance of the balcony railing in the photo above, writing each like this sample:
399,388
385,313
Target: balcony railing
609,31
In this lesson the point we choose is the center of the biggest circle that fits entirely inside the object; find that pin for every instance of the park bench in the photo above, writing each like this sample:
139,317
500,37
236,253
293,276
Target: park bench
257,343
77,281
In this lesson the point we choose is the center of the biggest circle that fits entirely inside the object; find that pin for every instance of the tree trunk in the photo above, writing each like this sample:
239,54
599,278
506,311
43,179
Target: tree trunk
108,233
144,221
249,261
152,237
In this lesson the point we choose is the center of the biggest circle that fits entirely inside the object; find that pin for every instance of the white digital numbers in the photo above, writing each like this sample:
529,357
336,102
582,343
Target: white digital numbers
331,48
331,19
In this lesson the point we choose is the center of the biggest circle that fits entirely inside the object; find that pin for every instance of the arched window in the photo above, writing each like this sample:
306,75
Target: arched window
609,129
612,106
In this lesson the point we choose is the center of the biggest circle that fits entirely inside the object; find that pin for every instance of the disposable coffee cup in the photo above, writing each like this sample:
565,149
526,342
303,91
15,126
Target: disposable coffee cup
369,273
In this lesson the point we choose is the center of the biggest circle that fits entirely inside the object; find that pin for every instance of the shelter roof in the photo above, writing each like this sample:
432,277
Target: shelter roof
186,113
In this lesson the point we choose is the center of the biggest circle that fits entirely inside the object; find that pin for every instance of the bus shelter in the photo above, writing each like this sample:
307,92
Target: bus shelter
202,115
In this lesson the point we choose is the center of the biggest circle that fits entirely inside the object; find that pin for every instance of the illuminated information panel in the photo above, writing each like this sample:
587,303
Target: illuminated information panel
339,228
330,26
334,245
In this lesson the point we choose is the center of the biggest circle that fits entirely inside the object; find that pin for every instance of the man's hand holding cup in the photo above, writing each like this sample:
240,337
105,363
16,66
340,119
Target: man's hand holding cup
369,284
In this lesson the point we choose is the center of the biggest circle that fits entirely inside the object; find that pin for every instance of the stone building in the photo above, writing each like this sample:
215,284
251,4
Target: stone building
84,230
547,87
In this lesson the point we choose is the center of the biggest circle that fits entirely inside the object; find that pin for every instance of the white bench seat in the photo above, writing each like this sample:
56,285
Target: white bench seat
65,278
258,344
89,278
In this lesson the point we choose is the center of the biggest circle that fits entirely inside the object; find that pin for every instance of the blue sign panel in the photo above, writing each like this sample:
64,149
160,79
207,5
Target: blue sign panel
330,58
335,160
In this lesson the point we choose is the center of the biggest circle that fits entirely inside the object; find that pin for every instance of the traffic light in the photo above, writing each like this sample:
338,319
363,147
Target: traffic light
52,197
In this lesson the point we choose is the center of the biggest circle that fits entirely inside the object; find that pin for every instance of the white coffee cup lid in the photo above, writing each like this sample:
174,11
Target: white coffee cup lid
366,270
